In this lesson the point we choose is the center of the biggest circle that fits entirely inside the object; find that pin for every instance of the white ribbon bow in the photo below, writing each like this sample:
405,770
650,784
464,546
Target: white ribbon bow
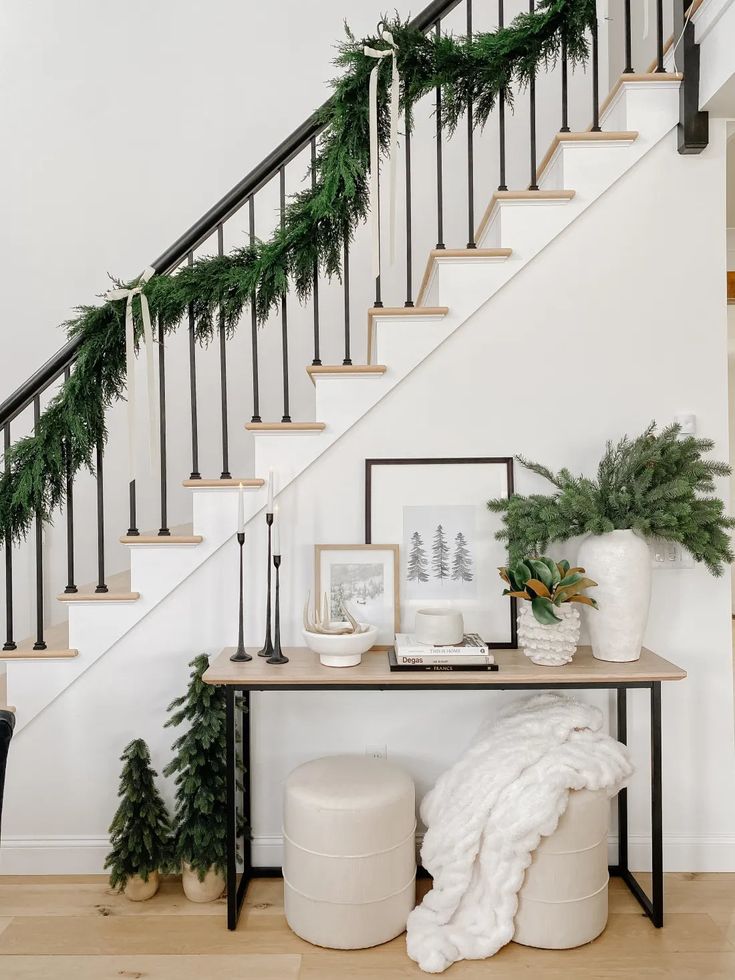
127,295
389,52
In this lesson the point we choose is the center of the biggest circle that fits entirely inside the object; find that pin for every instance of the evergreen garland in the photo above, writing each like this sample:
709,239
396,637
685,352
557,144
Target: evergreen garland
140,833
317,222
657,484
200,767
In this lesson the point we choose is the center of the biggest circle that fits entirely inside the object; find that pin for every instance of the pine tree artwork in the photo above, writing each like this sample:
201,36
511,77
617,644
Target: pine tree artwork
417,561
462,560
440,554
140,832
199,765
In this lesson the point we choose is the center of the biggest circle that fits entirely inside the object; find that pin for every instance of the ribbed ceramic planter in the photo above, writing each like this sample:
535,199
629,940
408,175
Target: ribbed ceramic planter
549,646
138,890
208,890
620,563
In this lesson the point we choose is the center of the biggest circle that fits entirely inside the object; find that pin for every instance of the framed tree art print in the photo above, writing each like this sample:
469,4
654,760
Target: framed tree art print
435,510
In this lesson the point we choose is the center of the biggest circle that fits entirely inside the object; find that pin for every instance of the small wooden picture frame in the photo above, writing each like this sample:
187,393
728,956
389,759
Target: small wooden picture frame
366,577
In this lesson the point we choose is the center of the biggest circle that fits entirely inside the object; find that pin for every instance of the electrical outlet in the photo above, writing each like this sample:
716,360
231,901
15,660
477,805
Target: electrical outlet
376,751
669,555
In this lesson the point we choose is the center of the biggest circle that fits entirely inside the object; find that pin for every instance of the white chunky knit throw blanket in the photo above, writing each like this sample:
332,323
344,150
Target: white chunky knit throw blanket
486,815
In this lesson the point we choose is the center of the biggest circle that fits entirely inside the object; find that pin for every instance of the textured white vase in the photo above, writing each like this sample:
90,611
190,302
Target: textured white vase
549,646
620,563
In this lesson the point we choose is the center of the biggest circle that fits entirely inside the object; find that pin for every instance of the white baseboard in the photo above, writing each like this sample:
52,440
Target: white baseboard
86,855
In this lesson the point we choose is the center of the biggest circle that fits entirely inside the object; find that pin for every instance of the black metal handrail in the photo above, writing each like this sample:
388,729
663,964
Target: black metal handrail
258,177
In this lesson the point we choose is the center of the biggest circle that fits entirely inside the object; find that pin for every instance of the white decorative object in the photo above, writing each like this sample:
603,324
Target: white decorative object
620,563
342,649
208,890
349,851
487,814
439,627
138,890
552,645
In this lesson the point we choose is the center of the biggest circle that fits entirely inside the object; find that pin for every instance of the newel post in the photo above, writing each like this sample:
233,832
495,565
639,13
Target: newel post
693,123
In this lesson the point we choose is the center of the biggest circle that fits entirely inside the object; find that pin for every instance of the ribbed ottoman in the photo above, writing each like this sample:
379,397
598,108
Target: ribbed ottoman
563,900
349,859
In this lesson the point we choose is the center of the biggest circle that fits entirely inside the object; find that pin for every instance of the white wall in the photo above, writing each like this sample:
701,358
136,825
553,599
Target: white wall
602,360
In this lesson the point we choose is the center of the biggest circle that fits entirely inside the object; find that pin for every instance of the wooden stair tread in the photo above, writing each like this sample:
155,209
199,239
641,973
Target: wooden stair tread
347,370
57,646
584,137
285,426
98,596
560,195
648,76
203,484
457,253
161,539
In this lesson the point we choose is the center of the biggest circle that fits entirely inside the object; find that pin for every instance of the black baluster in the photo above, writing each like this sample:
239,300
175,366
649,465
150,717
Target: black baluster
317,358
409,259
660,35
628,41
101,585
133,531
195,474
254,325
470,155
533,186
595,78
9,640
439,163
70,586
40,643
225,474
564,128
284,312
163,530
346,283
502,186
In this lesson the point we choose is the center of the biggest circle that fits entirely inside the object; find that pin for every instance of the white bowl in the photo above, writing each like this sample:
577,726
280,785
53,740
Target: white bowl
439,627
341,651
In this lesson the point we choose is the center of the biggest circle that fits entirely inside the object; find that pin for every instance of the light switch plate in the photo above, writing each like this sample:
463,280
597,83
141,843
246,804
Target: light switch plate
669,555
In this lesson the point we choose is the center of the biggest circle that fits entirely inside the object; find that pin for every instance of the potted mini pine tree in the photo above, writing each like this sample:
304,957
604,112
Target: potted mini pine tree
200,831
140,832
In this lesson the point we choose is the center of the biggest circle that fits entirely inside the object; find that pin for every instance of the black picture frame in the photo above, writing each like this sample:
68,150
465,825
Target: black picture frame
506,461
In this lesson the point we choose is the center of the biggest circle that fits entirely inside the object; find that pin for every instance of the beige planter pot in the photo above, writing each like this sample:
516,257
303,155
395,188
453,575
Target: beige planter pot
138,890
208,890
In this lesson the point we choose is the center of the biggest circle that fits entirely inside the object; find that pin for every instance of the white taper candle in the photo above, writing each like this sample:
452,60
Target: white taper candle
241,510
269,508
276,532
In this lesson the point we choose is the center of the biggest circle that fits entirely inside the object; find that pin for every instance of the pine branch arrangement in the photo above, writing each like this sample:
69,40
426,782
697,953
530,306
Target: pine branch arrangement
199,765
140,832
658,484
318,221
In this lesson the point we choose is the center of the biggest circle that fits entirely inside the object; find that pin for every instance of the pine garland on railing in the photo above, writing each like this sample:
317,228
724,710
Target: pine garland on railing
317,222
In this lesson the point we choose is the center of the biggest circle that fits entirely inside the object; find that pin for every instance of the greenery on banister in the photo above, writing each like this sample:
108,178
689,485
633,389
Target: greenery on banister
317,222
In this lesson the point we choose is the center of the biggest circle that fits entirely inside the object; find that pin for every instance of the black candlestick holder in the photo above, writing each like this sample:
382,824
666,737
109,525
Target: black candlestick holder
277,656
241,655
267,648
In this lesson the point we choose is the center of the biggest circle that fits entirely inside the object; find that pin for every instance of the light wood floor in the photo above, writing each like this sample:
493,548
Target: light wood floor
73,928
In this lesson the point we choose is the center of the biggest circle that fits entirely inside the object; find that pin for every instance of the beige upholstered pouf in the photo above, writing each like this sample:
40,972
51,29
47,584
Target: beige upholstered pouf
349,858
563,900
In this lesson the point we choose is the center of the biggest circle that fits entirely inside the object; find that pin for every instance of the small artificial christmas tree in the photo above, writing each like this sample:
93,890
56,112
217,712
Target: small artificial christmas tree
440,554
140,832
462,561
417,563
199,764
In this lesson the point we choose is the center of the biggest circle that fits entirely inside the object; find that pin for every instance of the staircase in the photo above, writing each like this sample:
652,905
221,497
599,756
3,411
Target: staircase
516,226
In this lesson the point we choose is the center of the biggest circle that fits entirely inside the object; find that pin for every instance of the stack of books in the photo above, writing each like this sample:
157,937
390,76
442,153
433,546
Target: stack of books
471,654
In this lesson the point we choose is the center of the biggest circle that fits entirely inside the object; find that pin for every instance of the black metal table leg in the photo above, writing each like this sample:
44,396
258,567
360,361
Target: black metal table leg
231,805
622,734
657,845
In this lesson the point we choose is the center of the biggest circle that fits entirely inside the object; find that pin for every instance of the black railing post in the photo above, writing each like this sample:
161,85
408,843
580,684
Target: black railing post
409,231
693,132
40,643
163,530
99,476
317,356
628,41
564,128
346,283
69,493
660,35
439,160
470,154
133,531
9,639
254,324
284,311
533,185
225,474
595,78
195,474
502,186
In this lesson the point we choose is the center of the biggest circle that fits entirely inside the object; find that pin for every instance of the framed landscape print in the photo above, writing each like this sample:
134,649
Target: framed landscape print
364,577
436,510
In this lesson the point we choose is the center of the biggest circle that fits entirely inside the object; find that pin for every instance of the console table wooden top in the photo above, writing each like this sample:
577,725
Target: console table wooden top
304,671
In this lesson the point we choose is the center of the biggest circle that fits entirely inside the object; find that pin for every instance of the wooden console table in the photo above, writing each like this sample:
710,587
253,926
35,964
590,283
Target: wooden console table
305,673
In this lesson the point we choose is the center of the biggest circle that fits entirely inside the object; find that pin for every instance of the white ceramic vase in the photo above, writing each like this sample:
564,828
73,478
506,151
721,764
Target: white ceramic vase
620,563
208,890
138,890
549,646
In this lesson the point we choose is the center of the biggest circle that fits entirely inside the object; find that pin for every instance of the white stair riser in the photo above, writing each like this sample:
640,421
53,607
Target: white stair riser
403,342
647,108
528,224
468,281
343,400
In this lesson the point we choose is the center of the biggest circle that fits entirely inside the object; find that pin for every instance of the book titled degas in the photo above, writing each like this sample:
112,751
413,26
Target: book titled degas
473,651
408,662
